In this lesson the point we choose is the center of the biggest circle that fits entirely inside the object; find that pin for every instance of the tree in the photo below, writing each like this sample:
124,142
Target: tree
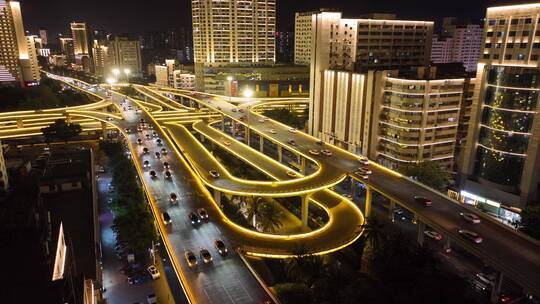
530,221
264,215
294,293
303,267
373,235
60,130
428,173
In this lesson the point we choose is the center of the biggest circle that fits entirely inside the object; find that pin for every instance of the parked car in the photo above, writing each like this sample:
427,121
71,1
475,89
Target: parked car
154,272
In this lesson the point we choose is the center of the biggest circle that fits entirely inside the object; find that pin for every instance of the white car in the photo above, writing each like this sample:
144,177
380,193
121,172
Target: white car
361,174
363,161
314,152
272,131
214,173
471,218
292,130
261,120
365,170
326,152
291,173
154,272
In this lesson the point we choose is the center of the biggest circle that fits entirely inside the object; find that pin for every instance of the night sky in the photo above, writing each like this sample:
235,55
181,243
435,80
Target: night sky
128,16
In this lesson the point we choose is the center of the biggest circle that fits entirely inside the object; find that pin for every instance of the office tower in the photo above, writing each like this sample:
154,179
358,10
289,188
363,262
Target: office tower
232,32
375,42
122,53
16,65
44,35
32,57
458,42
501,166
284,47
68,49
81,46
103,57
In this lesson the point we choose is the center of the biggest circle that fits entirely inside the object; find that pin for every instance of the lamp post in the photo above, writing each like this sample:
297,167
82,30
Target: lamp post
111,81
230,79
127,72
248,93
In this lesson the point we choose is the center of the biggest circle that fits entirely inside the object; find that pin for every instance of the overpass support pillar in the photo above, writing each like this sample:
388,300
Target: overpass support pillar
222,123
369,198
391,208
280,153
261,143
233,129
305,208
302,165
202,137
217,197
247,135
420,228
496,290
104,129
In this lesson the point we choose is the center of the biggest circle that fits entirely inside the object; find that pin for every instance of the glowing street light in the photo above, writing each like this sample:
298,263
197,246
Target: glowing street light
116,72
248,93
230,80
127,72
111,81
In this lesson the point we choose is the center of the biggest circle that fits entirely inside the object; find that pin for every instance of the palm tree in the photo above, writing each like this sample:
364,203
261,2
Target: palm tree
304,267
270,216
373,236
252,211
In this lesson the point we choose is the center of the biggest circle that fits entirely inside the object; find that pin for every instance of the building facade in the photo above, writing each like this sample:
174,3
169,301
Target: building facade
302,37
16,66
393,118
117,53
184,80
361,45
81,46
458,43
67,49
501,166
230,32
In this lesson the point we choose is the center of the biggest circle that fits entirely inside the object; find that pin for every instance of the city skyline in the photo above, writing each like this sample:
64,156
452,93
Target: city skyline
125,16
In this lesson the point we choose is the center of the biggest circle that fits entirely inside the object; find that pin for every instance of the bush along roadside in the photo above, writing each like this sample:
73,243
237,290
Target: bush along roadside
133,220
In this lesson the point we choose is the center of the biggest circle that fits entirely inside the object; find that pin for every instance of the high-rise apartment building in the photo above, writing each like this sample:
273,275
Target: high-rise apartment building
360,45
16,65
302,37
229,32
44,35
122,53
68,49
81,45
396,117
501,166
458,42
284,47
32,43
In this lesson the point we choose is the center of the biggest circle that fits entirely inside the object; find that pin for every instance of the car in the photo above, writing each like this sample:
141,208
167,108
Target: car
326,152
227,143
164,151
314,152
159,143
139,141
361,174
137,279
151,299
471,218
471,236
433,235
194,218
150,127
292,142
422,200
243,118
154,272
320,143
147,136
168,174
153,174
291,173
109,118
272,131
154,134
166,218
347,196
146,164
128,130
488,279
202,213
130,108
365,170
363,161
261,120
234,110
141,120
145,150
173,197
292,130
214,173
220,247
205,255
109,200
241,110
190,258
158,155
139,129
166,165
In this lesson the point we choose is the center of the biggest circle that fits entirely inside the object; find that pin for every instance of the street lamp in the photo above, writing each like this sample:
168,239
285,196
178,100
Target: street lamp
116,72
111,81
248,93
127,72
230,79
